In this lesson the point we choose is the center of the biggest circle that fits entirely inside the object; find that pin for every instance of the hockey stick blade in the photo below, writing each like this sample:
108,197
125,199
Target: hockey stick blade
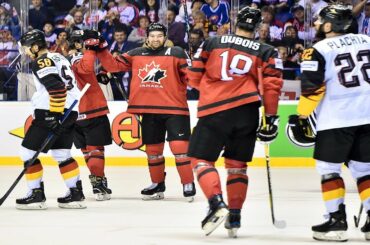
280,224
44,144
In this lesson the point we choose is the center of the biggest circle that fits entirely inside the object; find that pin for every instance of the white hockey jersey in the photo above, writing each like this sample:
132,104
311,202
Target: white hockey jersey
50,71
341,66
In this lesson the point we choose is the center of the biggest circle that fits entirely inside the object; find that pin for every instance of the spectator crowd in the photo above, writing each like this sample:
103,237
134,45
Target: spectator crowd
287,25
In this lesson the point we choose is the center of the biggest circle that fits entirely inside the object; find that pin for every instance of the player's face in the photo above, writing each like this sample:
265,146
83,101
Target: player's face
78,45
156,39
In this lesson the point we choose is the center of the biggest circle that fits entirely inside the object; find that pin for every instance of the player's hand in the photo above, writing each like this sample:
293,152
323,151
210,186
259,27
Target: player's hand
52,121
268,134
103,78
91,39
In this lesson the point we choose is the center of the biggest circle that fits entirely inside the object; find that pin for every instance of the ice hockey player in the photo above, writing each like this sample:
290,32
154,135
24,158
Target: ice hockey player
335,81
158,93
56,89
225,70
92,131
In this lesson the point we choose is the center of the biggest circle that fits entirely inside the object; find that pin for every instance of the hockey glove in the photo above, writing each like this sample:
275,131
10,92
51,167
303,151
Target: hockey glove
268,134
52,121
300,131
103,78
102,43
91,39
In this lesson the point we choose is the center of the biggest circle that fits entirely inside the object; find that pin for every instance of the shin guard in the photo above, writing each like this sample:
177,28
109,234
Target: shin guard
237,183
207,176
95,160
179,149
156,162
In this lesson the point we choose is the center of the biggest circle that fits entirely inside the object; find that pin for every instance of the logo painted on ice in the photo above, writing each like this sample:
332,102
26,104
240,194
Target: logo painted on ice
152,75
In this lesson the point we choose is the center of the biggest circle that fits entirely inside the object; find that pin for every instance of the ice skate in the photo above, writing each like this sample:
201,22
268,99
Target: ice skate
366,228
34,200
154,192
335,229
100,188
189,191
232,223
74,199
216,214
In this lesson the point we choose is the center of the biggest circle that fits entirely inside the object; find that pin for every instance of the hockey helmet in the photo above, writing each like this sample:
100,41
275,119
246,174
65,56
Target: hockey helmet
248,18
76,36
156,27
301,132
339,15
33,37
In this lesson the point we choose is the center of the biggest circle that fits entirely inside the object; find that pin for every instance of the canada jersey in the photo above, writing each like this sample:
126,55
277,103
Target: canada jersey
224,69
93,103
52,70
159,79
340,68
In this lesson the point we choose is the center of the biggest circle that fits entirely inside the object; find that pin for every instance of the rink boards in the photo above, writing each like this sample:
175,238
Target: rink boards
127,148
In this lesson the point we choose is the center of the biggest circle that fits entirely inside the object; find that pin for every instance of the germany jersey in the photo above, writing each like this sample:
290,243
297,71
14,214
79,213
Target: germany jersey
336,80
55,83
159,79
225,71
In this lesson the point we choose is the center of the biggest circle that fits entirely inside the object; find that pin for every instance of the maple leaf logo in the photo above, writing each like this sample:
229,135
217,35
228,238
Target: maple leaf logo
152,73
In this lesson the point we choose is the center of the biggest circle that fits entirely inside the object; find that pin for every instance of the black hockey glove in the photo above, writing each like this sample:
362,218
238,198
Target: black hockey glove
300,131
91,39
103,78
268,134
52,121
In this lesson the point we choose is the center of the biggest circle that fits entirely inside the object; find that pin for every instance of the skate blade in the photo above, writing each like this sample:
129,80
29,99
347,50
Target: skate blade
72,205
102,197
216,220
367,236
233,232
338,236
32,206
156,196
190,199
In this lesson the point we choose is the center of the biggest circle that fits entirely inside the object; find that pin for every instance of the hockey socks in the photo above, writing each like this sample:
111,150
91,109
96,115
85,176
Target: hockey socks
70,172
237,183
156,162
34,174
333,190
179,148
208,177
363,186
95,161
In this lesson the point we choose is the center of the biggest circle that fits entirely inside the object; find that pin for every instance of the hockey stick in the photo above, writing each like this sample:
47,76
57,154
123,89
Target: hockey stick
44,144
122,91
277,223
357,219
187,23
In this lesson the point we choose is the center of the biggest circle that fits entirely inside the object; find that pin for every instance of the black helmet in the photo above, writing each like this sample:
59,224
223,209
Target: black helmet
248,18
156,27
34,37
76,36
339,15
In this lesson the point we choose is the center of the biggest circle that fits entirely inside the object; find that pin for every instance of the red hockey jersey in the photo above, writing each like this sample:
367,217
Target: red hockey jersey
159,79
224,70
93,103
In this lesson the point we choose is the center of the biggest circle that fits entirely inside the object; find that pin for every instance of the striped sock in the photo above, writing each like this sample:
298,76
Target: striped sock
208,177
333,191
236,186
95,160
156,168
70,172
34,175
184,168
363,186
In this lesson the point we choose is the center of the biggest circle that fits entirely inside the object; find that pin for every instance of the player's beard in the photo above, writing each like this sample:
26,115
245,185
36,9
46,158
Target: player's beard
320,34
